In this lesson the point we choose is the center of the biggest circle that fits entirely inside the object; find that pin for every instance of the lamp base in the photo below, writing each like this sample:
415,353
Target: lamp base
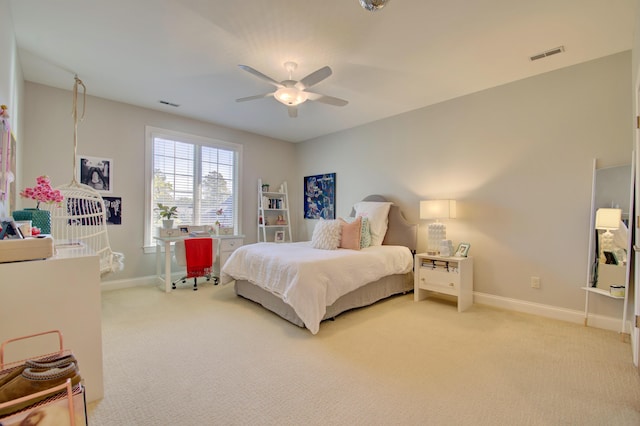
606,244
436,233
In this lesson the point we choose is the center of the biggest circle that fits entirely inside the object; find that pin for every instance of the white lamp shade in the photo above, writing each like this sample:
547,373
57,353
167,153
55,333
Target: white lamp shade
290,96
373,5
438,209
608,218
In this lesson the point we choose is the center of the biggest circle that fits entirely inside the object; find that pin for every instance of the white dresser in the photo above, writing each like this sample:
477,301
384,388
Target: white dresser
59,293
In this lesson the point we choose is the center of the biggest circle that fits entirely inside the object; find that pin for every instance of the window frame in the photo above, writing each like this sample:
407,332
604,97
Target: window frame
151,133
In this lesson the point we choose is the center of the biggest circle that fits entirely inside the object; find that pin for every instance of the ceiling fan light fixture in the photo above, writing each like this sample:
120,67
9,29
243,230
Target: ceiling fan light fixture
291,92
373,5
290,96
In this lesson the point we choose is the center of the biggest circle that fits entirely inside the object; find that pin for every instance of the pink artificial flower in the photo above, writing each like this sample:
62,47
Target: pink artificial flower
42,192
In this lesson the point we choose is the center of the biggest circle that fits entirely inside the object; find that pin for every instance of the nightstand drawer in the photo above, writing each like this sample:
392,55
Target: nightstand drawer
230,244
450,288
437,277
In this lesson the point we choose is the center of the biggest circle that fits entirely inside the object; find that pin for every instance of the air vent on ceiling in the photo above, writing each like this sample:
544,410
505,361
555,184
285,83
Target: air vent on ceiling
547,53
169,103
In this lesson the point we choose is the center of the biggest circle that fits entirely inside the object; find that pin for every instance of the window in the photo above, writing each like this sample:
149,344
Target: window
198,175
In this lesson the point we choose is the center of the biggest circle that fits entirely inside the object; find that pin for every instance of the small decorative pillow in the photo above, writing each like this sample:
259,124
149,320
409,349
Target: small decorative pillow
378,214
365,234
326,235
365,230
351,234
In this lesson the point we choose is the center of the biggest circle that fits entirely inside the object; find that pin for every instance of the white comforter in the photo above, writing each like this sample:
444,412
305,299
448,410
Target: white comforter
310,279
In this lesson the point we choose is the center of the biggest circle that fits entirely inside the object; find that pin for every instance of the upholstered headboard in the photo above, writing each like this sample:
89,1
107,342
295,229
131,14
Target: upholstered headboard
399,231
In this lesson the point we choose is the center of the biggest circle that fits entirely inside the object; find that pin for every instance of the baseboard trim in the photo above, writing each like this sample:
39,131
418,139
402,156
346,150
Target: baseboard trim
547,311
128,283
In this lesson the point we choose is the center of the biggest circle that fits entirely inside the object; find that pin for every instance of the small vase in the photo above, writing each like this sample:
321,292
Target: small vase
167,223
40,219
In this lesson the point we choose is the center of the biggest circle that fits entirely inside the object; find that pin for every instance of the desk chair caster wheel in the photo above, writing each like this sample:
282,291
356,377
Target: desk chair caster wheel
173,284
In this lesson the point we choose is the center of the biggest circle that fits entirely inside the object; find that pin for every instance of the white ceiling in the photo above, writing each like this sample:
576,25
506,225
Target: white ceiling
411,54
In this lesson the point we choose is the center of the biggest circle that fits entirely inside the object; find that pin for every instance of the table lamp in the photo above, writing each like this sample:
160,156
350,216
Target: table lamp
437,231
607,220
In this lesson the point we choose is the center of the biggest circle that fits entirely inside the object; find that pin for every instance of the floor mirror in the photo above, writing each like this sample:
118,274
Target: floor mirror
610,240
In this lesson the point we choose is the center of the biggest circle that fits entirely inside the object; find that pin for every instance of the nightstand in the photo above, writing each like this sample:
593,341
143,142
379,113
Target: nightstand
446,275
227,244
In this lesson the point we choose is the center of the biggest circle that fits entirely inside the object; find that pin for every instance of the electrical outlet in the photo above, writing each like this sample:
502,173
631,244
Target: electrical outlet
535,282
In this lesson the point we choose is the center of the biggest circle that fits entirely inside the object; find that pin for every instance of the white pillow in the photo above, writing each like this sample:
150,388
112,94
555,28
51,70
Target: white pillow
326,235
378,214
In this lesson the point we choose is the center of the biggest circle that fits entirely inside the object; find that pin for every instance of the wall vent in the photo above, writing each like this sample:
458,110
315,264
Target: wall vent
169,103
549,52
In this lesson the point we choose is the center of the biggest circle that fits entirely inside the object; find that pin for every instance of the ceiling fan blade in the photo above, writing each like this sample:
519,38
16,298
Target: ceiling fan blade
260,75
293,111
314,78
251,98
330,100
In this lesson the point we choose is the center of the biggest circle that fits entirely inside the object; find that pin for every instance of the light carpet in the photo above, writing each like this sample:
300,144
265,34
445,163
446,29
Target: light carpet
212,358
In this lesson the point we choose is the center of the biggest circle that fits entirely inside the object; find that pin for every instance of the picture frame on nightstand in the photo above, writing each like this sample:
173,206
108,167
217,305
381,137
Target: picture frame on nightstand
463,249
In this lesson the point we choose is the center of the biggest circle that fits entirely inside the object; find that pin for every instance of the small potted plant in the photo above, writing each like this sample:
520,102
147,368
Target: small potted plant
167,214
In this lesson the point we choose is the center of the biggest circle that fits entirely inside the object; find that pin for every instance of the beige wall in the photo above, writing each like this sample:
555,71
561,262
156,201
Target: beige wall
518,158
117,131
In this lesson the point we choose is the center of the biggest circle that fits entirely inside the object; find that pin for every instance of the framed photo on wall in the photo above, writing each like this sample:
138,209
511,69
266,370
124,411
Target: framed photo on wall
114,210
96,173
320,196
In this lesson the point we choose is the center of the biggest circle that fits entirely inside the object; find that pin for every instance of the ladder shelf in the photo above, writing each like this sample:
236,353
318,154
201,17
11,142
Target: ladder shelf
274,220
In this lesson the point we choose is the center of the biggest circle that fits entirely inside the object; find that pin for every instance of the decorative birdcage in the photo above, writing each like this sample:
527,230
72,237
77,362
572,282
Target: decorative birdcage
81,218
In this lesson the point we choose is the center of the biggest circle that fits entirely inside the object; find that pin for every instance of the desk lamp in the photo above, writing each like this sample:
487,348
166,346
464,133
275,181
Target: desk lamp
607,220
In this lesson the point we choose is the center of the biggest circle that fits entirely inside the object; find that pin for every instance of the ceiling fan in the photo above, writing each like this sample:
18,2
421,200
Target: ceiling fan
292,93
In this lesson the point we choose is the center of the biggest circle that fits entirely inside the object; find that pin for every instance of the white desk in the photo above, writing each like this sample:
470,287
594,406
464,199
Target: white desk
225,244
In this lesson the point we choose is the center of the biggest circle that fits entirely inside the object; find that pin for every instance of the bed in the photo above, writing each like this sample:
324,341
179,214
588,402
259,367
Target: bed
306,285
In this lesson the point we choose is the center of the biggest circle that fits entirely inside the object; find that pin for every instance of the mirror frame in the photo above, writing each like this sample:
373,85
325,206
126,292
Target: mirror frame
593,259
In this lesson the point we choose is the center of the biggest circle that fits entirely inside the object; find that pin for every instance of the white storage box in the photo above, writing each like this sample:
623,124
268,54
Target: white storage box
26,249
